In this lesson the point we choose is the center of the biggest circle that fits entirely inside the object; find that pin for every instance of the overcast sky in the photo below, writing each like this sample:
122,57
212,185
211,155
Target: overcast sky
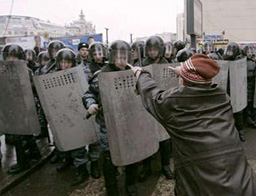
121,17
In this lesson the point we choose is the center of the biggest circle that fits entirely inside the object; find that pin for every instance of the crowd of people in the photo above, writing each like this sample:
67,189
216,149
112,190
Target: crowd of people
95,57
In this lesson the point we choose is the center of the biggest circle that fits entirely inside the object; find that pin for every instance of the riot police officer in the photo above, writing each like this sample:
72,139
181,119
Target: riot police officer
30,56
119,55
232,53
42,58
65,59
249,111
154,50
137,52
177,46
207,47
168,52
52,48
22,143
184,55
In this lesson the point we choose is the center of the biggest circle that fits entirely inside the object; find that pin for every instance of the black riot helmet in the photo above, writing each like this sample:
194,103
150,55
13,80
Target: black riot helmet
247,51
98,49
220,51
154,43
178,45
184,54
30,55
53,47
13,50
207,47
232,51
69,47
137,49
65,54
214,56
119,50
168,50
43,56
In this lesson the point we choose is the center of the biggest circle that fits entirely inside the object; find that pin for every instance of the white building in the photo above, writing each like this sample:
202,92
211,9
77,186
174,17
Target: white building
81,26
22,26
234,19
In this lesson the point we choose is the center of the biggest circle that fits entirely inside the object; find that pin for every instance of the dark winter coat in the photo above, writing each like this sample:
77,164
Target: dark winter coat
209,159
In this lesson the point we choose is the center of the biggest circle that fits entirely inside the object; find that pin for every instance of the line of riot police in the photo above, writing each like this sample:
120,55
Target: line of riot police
97,58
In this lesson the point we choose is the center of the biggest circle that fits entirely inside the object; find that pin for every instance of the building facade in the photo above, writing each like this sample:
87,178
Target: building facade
231,19
22,26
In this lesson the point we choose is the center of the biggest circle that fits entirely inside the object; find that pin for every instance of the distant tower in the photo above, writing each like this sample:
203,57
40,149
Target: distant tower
82,16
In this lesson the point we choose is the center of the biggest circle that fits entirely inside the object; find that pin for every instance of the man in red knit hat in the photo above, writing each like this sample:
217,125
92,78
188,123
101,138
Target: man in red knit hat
208,155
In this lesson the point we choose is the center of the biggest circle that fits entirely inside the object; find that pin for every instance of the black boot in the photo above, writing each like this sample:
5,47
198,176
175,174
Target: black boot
166,171
146,171
109,171
34,152
22,161
65,164
165,158
239,123
56,157
130,180
95,171
81,176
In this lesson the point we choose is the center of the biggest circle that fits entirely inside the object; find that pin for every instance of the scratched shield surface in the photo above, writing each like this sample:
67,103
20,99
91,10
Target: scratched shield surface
130,128
238,84
17,107
222,77
60,94
165,79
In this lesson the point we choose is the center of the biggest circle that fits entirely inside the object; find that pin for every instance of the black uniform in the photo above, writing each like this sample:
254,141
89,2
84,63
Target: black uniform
232,53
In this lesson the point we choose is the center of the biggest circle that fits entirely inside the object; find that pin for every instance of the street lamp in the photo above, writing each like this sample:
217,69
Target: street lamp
106,35
131,37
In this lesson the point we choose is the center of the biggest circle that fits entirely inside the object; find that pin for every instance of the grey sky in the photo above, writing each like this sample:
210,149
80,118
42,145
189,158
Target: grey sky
122,17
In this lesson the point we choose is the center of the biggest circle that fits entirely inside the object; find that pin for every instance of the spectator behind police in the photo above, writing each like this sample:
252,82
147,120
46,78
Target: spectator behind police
38,46
83,54
90,40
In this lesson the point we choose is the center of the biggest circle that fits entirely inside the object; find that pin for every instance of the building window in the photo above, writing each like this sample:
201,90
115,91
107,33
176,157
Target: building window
9,33
31,33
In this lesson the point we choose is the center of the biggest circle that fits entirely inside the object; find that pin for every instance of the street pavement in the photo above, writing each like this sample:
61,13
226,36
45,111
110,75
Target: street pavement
46,181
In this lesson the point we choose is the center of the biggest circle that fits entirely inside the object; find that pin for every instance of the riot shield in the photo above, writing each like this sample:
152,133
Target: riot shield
238,84
165,79
222,77
130,128
17,107
60,94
